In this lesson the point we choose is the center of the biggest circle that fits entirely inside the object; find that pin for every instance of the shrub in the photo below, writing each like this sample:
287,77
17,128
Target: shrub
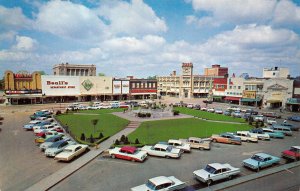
256,124
123,138
137,141
148,114
175,112
117,142
58,112
67,111
92,139
126,141
82,137
262,124
101,135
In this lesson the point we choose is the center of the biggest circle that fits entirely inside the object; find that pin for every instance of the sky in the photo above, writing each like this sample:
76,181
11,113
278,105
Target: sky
150,37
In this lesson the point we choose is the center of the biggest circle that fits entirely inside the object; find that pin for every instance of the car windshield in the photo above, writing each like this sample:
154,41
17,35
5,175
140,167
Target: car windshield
209,169
150,185
55,145
169,148
68,150
257,158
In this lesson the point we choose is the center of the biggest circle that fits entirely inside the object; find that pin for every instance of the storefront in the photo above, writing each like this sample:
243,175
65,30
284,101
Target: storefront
143,89
232,100
250,98
120,89
293,104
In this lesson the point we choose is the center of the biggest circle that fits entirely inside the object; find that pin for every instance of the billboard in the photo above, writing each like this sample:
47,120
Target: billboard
60,85
95,85
249,94
120,87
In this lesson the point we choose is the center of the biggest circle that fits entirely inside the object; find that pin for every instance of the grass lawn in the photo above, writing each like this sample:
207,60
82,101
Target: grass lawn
108,124
101,111
151,132
208,115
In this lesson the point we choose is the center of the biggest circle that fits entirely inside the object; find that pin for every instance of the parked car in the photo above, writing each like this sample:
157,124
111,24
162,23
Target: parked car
294,118
161,183
162,150
227,112
271,114
226,138
198,143
272,133
58,129
260,160
261,135
271,121
70,152
45,134
197,107
207,101
190,105
245,136
237,114
38,129
279,128
293,153
185,147
31,125
219,111
40,114
234,108
57,147
291,126
128,153
48,142
216,171
203,109
251,112
211,110
258,118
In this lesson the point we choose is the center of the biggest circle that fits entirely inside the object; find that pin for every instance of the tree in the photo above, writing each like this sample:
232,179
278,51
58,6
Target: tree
151,77
101,135
137,141
94,123
82,137
41,72
101,74
2,86
92,139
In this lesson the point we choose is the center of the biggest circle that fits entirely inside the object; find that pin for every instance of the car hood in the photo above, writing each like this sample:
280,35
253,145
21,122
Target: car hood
51,150
175,151
46,144
141,188
202,173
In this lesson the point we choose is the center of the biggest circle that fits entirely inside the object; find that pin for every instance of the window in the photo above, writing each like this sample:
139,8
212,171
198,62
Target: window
239,87
142,85
230,87
146,85
133,85
137,85
154,85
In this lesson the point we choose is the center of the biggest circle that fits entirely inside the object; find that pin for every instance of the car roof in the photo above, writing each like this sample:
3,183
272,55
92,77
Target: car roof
263,155
297,147
162,146
160,180
129,149
195,138
216,165
174,141
74,146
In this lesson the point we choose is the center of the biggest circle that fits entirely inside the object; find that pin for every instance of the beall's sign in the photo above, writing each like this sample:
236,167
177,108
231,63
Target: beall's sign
60,85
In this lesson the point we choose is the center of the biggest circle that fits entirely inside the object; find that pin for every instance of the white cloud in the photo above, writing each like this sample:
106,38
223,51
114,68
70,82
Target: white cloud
287,14
131,18
7,36
25,43
70,20
13,19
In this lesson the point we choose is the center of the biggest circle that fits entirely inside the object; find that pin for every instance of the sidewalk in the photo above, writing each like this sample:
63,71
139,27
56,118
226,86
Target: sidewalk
58,176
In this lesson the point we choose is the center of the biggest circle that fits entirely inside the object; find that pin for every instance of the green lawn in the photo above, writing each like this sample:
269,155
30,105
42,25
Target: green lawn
108,124
102,111
208,115
152,132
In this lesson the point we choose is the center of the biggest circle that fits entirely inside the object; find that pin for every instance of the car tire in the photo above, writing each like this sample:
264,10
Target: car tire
248,141
214,140
230,177
209,181
113,156
167,156
201,148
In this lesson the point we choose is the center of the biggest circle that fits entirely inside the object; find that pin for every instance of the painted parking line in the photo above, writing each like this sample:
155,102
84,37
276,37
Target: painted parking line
289,171
119,162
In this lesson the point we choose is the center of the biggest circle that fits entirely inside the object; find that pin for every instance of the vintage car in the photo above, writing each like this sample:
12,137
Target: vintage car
31,124
226,138
186,147
227,112
128,153
219,111
216,171
48,142
161,183
237,114
57,147
207,101
45,134
203,109
272,133
291,126
260,134
211,110
260,160
190,105
162,150
279,128
37,129
258,118
198,143
40,114
292,154
271,121
271,114
71,152
251,112
197,107
58,129
294,118
234,108
245,136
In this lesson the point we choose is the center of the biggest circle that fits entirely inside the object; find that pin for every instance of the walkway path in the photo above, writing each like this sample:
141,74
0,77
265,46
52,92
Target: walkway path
133,118
58,176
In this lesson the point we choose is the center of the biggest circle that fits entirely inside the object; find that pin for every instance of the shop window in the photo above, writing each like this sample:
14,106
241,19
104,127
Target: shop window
239,87
142,85
137,85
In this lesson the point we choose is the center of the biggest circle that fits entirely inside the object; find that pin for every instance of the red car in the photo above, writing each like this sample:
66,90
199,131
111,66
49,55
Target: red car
59,129
293,153
128,153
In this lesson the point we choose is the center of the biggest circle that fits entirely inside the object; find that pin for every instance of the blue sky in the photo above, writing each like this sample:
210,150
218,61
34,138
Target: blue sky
150,37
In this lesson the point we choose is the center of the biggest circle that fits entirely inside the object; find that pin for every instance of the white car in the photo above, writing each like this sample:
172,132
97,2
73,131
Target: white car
198,143
271,121
216,171
212,110
38,129
128,153
260,135
237,114
57,147
203,109
161,183
246,136
219,111
71,152
162,150
180,145
233,108
258,118
190,105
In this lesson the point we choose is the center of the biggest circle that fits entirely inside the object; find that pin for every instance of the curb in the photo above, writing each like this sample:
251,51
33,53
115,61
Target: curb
251,177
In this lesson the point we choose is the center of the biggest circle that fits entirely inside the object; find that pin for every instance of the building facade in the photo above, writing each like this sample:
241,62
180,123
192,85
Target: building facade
216,70
276,72
22,87
74,70
143,88
235,89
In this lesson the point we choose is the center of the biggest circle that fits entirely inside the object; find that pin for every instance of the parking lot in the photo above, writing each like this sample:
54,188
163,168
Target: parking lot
112,174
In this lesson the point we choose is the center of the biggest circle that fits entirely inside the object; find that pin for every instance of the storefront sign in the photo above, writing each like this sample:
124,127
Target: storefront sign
23,92
249,94
87,84
95,85
60,85
143,91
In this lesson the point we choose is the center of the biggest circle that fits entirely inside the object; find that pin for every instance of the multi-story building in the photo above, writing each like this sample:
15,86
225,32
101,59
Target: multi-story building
235,89
216,70
143,88
253,92
74,70
276,72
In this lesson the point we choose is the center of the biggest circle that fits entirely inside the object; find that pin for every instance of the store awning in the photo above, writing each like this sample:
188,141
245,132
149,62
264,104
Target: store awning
232,98
218,97
250,100
273,101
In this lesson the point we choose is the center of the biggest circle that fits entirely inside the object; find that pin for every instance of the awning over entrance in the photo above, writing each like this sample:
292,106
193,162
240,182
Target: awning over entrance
218,97
273,101
250,100
232,98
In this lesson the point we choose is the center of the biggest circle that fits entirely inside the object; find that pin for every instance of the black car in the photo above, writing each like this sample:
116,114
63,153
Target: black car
207,101
197,107
251,112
